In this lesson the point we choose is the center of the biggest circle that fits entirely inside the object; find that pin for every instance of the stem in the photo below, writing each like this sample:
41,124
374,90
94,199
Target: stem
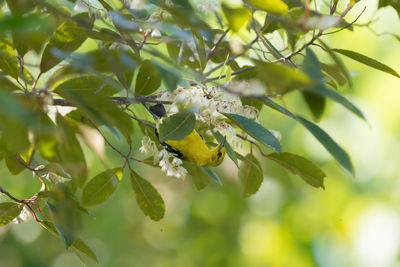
117,100
21,66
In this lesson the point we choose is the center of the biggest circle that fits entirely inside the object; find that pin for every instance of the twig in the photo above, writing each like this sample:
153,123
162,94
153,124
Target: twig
230,59
212,51
35,82
233,73
117,100
347,26
21,67
2,190
126,157
104,83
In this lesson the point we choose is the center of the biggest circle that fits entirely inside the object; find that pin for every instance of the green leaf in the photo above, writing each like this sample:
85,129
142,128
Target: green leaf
338,61
250,175
311,66
80,247
256,131
8,59
77,246
367,61
335,96
147,197
7,85
64,41
99,110
200,179
13,164
307,170
177,126
148,79
99,85
270,103
100,188
333,148
70,153
8,211
280,77
275,7
20,6
237,17
65,212
211,174
316,103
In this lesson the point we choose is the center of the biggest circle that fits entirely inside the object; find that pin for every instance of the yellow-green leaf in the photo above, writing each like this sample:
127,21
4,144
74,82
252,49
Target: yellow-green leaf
8,211
276,7
100,188
147,197
237,17
307,170
250,175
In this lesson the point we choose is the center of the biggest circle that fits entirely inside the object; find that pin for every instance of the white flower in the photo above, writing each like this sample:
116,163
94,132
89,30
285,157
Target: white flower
24,216
171,167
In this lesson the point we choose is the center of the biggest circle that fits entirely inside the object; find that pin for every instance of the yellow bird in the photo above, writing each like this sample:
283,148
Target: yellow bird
192,147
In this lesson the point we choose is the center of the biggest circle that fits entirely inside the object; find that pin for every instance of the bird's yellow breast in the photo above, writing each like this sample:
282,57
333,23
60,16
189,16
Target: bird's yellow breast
193,148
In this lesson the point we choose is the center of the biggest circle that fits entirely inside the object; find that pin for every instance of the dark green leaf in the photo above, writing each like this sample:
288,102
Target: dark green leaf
64,41
147,197
100,188
256,131
335,96
8,211
307,170
177,126
311,66
333,148
148,79
250,175
367,61
316,103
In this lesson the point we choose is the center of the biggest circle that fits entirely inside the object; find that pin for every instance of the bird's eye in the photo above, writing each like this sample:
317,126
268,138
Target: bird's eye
219,154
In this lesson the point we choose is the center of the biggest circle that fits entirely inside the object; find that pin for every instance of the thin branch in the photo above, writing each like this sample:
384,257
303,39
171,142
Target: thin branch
21,67
233,74
117,100
2,190
212,51
230,59
347,26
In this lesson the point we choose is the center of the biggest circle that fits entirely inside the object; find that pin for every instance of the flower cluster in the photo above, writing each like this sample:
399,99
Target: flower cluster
212,102
169,164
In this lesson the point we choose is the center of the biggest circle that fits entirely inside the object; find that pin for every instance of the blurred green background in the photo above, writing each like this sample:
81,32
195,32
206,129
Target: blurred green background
353,222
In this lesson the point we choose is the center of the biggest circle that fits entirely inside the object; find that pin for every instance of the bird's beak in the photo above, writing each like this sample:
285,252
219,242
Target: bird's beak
222,144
